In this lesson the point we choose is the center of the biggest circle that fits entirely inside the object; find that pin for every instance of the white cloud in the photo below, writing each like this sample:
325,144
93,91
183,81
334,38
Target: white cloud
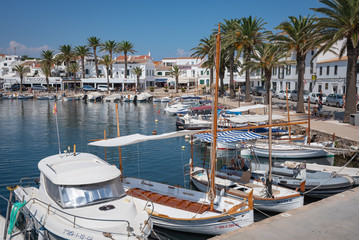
21,49
183,53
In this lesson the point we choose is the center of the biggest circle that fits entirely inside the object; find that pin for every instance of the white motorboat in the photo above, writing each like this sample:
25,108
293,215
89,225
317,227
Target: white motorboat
165,99
144,97
182,209
282,199
81,196
49,97
290,150
25,97
156,100
95,97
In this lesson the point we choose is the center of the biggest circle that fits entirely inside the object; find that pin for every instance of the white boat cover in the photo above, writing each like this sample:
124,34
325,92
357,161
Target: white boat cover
246,108
230,136
137,138
253,118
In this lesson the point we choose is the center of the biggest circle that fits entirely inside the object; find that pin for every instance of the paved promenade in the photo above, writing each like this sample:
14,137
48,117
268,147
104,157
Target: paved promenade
333,218
321,124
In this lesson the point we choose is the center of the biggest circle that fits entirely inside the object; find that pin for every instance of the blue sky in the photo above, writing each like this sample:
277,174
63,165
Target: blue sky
164,28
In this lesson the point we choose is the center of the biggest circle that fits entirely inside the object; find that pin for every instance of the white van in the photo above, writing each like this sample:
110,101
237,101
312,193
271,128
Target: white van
103,88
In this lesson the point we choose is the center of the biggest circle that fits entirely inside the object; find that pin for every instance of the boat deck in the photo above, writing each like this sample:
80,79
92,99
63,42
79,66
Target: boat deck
169,201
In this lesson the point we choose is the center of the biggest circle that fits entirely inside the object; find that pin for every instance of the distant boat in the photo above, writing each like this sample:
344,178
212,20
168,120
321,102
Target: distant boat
165,99
144,97
82,195
25,97
156,100
50,97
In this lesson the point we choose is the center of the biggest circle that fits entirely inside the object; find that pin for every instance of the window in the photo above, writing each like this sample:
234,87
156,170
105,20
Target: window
201,72
319,88
326,86
320,71
99,71
328,70
87,71
207,72
201,81
159,73
193,73
288,69
336,70
153,72
167,73
311,68
5,64
274,71
169,64
281,73
312,52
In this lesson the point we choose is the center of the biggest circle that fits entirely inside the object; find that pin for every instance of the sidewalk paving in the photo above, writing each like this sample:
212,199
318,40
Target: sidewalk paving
335,217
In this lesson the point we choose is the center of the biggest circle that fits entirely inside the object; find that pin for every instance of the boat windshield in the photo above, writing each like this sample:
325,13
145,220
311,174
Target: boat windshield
78,196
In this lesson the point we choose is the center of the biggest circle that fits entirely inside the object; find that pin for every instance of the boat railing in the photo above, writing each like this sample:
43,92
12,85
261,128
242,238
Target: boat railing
54,210
144,207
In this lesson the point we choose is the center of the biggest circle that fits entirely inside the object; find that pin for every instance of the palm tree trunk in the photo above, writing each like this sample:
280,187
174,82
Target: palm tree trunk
108,81
96,66
74,81
176,84
221,77
211,79
111,64
125,65
232,93
83,66
268,76
350,88
248,83
301,67
21,77
138,83
48,84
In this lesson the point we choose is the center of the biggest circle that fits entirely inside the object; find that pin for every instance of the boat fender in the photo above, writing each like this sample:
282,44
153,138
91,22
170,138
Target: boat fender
107,207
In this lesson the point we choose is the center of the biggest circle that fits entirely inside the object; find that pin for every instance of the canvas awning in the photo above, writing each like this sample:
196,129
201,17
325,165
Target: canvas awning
137,138
245,108
230,136
253,118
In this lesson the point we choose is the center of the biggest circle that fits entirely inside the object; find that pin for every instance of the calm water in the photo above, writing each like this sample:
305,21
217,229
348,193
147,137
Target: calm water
28,134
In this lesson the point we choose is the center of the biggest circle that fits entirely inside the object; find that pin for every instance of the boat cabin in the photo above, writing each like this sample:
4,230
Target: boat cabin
79,180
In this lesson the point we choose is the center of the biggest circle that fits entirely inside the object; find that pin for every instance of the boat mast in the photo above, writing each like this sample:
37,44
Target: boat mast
269,181
214,123
118,135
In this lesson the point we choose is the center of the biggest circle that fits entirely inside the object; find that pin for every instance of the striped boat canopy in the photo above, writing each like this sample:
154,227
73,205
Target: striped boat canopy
230,136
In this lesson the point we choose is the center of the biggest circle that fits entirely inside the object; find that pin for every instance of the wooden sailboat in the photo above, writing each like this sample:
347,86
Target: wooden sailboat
265,195
182,209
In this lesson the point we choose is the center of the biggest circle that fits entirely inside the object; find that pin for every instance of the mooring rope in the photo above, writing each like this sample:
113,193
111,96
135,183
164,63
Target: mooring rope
332,175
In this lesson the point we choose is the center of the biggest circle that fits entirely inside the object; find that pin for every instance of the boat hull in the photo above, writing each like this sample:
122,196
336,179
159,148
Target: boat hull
172,218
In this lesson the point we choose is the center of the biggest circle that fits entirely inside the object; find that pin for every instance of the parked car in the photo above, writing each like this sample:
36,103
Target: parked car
103,88
16,87
89,88
294,95
314,98
258,90
283,95
334,100
39,88
243,90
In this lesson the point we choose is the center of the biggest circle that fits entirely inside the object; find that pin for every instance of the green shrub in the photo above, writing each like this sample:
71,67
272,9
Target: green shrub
152,89
183,89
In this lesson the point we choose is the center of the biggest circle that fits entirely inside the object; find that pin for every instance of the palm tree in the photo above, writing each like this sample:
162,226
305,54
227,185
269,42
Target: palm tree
107,61
206,49
24,57
299,36
176,72
94,42
267,56
21,70
74,68
138,72
66,55
46,65
82,52
110,47
248,33
227,29
126,47
341,21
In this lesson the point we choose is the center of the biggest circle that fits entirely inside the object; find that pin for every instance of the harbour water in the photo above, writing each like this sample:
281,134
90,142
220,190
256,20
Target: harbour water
28,134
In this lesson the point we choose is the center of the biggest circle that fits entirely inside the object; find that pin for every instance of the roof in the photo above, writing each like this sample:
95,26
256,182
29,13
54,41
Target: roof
134,58
183,58
205,107
83,168
344,58
157,63
163,68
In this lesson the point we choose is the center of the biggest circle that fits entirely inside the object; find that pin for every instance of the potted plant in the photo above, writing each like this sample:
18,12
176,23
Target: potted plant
166,89
152,89
183,89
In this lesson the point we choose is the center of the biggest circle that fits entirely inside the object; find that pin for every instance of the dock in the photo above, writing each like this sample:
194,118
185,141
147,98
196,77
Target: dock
332,218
